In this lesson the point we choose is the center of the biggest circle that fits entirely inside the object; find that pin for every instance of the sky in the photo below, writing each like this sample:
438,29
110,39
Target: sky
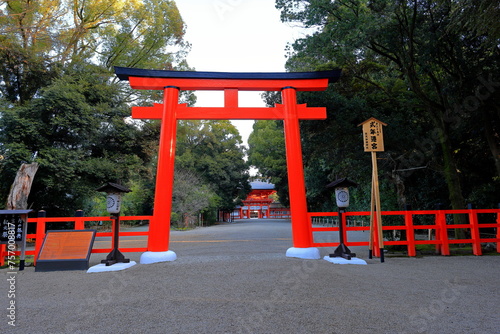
235,36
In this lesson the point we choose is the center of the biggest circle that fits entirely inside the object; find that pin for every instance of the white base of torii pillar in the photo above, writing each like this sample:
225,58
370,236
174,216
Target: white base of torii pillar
154,257
309,253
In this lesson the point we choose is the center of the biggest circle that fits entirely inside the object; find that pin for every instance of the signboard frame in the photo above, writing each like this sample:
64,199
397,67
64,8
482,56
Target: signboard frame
373,135
61,250
20,222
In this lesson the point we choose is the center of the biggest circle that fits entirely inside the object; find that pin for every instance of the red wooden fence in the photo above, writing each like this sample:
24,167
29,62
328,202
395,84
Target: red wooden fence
440,228
79,224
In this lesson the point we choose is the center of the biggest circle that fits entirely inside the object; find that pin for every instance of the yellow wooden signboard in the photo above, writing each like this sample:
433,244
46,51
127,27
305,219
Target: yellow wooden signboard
373,138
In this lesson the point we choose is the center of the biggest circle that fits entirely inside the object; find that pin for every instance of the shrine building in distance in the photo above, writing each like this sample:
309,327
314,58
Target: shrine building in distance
261,203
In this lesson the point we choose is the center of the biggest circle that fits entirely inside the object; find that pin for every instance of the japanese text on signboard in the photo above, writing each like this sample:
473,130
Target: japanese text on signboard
11,223
373,138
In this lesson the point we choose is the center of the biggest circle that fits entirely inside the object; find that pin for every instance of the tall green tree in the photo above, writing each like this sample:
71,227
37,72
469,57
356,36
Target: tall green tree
450,70
62,107
77,131
214,151
191,197
39,37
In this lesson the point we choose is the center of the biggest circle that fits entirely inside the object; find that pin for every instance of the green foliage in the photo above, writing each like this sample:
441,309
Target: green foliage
213,151
427,68
76,129
62,107
39,38
191,196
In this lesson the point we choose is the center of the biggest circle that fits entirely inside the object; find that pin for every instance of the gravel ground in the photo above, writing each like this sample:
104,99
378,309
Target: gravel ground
236,279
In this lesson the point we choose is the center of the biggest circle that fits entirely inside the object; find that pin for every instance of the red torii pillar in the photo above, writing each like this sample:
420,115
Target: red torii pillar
171,82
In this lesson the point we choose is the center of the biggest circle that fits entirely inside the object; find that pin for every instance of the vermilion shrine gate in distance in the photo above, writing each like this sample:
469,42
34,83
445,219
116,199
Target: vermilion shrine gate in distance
171,82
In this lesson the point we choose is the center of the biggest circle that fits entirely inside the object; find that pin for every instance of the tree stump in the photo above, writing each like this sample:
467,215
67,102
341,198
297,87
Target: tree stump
20,189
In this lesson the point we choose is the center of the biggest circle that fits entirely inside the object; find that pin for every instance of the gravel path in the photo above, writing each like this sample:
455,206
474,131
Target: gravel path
235,278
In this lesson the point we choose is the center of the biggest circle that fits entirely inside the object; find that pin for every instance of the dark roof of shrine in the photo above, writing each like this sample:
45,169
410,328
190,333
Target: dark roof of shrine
124,73
260,185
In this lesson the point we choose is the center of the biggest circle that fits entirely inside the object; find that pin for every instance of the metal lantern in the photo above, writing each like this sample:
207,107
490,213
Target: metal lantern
114,196
342,191
341,187
113,205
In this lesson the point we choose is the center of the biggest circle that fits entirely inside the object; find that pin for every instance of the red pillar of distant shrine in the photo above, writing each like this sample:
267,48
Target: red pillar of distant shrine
171,82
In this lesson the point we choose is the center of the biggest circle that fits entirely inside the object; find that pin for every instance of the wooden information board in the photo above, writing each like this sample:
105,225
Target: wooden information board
373,138
66,250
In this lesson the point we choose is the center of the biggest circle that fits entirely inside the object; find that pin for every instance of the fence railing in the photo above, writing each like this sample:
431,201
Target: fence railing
435,223
77,223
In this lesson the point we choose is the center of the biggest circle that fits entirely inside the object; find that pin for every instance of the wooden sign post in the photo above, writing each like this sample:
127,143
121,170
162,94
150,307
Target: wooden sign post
373,141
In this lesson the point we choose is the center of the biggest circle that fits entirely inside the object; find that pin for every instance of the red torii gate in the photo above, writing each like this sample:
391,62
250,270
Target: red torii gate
171,82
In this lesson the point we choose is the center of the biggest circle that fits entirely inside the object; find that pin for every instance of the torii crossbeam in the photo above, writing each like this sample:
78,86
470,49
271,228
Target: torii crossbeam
171,82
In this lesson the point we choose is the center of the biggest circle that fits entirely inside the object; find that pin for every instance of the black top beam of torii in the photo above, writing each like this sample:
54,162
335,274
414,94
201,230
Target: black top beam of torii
230,83
124,73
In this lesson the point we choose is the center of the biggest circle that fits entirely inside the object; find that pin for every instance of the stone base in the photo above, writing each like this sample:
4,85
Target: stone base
153,257
100,268
341,260
311,253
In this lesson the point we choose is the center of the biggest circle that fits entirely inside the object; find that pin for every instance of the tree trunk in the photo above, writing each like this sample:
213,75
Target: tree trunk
493,139
452,178
20,189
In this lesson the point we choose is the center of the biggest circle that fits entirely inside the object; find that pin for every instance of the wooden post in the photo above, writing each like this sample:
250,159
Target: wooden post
498,230
373,141
40,233
410,232
475,233
442,230
376,192
21,187
372,214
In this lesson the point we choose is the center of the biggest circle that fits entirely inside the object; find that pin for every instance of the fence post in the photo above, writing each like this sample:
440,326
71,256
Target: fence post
3,253
410,232
376,246
79,222
40,233
474,231
498,229
442,230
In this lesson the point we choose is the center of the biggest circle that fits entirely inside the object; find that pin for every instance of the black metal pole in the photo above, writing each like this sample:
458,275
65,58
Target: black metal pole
22,258
116,235
342,250
341,227
115,256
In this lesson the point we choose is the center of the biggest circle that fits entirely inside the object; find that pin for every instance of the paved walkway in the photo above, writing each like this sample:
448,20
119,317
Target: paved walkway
235,278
